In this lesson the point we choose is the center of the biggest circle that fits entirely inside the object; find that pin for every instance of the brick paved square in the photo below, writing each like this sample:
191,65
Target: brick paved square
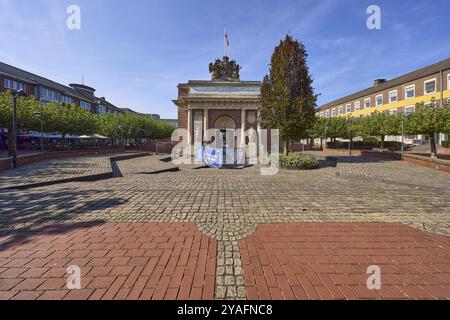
231,234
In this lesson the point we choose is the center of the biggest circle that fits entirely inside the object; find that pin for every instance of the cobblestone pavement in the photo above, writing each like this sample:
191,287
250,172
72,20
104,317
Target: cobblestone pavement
330,261
399,172
152,164
55,169
142,165
230,205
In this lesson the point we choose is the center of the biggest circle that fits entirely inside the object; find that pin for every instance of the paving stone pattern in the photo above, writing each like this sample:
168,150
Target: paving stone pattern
55,169
226,212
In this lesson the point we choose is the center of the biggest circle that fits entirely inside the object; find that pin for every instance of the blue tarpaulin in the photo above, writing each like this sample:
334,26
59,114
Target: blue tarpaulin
214,157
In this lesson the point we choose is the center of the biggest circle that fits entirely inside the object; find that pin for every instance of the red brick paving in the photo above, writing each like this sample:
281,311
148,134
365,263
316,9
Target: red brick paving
117,261
175,261
330,260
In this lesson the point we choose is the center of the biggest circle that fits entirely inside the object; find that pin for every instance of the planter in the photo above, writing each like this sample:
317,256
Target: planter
444,151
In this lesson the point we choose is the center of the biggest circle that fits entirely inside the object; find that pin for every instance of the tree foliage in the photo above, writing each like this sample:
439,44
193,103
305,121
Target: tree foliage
380,124
288,99
427,119
70,119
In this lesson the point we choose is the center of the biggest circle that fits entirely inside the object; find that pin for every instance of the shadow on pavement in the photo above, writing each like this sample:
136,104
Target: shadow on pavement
20,237
23,211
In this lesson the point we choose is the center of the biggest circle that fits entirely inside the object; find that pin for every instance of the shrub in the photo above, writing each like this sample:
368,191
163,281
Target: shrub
393,145
298,161
445,144
335,145
371,142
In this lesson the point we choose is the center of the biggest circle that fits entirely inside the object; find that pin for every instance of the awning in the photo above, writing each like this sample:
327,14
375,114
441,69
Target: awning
95,136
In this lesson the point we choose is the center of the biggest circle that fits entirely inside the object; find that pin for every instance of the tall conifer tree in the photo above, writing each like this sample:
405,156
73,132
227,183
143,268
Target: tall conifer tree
288,99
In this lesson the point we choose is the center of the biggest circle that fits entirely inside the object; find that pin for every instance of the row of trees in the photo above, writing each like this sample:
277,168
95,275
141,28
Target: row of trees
427,119
63,119
289,104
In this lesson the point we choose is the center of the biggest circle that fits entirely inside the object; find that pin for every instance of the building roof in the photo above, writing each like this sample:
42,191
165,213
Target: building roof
28,77
420,73
127,110
79,91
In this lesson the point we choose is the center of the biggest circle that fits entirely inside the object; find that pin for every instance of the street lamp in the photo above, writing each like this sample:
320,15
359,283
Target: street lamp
121,134
38,114
403,119
16,94
350,137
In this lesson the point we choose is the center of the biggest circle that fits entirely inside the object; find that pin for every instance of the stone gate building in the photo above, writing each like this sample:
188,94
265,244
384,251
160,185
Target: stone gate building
222,103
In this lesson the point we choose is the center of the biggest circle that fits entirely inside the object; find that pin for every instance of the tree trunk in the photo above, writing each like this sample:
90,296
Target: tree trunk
63,140
382,141
321,144
433,146
286,147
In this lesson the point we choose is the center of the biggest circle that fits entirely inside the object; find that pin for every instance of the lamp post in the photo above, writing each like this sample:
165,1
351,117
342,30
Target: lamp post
403,119
350,138
16,94
38,114
121,134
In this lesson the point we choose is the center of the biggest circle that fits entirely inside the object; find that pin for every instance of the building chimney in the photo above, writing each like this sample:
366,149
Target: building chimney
82,88
377,82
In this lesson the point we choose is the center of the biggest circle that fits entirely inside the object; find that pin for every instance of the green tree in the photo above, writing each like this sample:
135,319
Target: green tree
336,127
380,124
288,99
110,126
430,120
25,118
319,130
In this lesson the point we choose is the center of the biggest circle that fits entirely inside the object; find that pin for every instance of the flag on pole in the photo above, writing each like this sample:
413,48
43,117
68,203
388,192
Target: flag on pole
227,42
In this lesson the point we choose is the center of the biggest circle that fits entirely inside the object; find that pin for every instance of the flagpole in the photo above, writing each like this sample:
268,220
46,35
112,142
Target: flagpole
225,41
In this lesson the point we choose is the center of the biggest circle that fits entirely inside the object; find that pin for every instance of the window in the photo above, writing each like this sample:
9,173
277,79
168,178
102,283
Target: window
379,100
348,108
340,110
327,113
409,110
85,105
14,85
410,92
66,99
448,81
429,86
321,114
357,105
367,103
333,112
101,109
393,111
49,94
393,96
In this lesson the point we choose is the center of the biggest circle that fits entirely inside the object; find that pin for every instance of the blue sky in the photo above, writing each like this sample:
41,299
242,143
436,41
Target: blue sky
135,52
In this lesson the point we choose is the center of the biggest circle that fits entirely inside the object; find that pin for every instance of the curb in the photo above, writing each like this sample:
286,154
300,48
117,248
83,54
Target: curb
114,173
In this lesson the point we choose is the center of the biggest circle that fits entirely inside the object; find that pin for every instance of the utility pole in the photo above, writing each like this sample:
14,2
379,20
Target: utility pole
38,114
16,94
403,119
